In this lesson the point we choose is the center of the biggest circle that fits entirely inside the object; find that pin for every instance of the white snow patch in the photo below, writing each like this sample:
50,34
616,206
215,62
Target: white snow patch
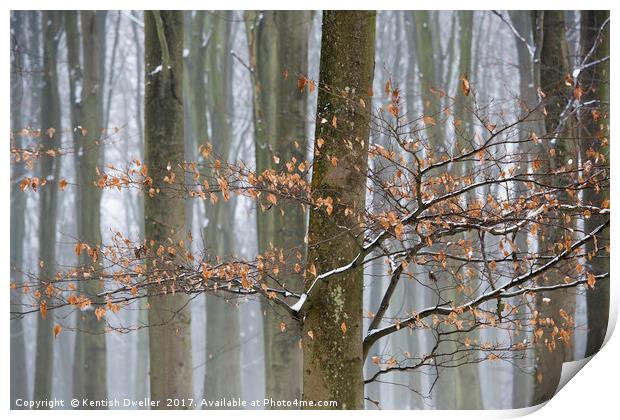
296,307
157,70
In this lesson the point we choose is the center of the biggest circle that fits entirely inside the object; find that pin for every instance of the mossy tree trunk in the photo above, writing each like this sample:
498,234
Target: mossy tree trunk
551,351
169,316
594,131
278,43
332,330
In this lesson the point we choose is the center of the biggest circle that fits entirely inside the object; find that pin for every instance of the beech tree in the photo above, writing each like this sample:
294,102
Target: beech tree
593,89
18,203
333,357
89,367
164,212
278,46
49,171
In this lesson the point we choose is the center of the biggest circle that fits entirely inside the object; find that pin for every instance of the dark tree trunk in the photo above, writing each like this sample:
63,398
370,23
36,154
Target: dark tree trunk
592,134
332,331
169,316
551,351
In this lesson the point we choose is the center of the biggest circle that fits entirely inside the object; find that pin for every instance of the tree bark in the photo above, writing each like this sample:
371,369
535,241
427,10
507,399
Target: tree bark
48,198
278,43
18,207
551,351
332,331
169,315
90,364
223,372
468,392
522,380
593,131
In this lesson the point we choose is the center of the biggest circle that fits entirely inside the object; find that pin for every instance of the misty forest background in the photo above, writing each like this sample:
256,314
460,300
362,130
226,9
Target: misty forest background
57,58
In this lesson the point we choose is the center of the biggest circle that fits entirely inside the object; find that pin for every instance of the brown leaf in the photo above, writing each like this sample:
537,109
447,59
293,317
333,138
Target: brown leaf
465,88
57,330
312,270
99,313
428,120
43,309
578,93
311,86
301,83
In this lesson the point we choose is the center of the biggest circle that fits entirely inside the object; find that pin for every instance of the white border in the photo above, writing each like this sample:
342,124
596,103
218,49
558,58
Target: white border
591,394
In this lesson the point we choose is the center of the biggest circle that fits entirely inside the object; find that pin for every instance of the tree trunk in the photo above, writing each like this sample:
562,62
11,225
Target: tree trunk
551,352
332,331
595,82
142,352
223,372
18,207
278,53
169,315
522,379
90,365
468,393
48,197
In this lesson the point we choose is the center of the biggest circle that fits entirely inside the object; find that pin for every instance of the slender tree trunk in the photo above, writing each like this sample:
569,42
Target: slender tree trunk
18,207
223,372
332,331
139,74
427,74
522,380
169,315
142,351
593,131
278,43
113,69
468,392
194,89
48,197
551,350
73,41
90,365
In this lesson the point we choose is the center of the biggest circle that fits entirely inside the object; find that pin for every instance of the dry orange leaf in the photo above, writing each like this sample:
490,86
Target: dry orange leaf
57,330
428,120
301,83
43,309
465,88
